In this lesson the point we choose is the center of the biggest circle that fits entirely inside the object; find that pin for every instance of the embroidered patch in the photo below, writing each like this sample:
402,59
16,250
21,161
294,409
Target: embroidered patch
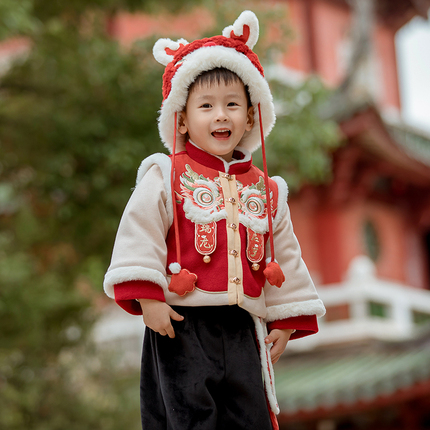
255,246
202,192
204,201
253,199
205,238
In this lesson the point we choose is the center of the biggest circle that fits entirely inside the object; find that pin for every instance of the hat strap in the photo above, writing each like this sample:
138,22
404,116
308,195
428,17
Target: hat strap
266,185
172,187
275,277
182,281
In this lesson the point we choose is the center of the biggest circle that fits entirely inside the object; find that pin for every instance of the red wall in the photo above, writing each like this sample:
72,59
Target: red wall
330,238
322,29
128,27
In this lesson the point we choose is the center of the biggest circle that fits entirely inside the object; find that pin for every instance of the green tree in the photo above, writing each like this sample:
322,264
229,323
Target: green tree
77,114
300,145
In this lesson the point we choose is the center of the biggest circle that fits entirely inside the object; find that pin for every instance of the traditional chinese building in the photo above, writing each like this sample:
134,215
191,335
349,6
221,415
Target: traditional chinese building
365,238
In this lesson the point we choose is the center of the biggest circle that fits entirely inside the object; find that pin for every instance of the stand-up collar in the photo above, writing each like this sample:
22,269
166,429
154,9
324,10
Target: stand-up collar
241,163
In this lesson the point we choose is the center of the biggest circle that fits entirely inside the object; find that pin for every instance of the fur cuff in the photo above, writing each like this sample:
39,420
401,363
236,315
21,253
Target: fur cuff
296,309
132,273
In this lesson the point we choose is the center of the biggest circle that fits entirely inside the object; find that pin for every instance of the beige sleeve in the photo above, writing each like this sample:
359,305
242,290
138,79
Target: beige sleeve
297,295
140,251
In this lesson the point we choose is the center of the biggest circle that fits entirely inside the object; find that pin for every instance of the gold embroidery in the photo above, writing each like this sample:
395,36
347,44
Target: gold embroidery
260,184
191,173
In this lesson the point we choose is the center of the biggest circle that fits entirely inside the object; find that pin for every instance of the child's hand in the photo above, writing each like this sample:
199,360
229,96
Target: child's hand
157,315
279,338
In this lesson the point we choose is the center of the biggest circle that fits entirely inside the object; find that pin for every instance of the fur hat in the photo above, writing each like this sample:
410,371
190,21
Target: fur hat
233,50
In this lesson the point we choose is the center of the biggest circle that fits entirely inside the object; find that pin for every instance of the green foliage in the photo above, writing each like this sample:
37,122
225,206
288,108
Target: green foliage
16,18
73,8
299,147
29,17
77,115
76,392
49,377
83,114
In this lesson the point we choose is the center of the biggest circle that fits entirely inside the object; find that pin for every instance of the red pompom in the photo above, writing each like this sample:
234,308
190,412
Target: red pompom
183,282
274,274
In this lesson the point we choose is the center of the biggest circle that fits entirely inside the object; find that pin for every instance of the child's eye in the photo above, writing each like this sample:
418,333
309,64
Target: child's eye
232,104
205,106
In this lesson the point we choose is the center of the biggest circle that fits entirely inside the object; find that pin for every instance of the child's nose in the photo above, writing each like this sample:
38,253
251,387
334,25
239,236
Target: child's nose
221,115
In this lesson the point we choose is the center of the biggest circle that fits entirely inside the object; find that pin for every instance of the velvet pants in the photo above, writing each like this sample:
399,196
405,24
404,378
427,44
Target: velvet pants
208,377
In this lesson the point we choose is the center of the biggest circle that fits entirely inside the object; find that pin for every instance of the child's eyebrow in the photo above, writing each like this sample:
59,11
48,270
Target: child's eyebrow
210,97
204,97
234,94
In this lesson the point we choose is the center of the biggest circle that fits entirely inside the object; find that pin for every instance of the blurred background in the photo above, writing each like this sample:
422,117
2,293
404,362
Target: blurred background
79,95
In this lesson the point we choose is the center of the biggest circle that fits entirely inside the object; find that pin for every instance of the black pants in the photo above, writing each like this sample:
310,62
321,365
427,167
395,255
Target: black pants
208,377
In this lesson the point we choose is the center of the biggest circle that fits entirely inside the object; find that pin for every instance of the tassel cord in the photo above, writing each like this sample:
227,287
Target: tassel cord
172,186
266,183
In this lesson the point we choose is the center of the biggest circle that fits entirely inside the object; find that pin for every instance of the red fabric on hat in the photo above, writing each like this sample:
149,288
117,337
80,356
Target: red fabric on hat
244,37
184,50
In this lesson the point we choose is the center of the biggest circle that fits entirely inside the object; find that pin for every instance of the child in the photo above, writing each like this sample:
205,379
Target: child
195,249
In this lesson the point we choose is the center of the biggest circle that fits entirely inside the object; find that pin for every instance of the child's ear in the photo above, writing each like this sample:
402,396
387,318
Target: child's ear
182,128
250,119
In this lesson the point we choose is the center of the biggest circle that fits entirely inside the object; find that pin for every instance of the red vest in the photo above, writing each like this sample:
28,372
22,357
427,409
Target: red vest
214,247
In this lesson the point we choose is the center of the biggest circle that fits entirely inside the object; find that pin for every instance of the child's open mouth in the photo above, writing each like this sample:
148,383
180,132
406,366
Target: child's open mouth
221,133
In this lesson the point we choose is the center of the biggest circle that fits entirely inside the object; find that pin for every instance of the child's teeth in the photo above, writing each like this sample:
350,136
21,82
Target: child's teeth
221,133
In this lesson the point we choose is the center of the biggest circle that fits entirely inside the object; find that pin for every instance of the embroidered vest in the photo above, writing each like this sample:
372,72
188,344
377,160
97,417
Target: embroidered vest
223,227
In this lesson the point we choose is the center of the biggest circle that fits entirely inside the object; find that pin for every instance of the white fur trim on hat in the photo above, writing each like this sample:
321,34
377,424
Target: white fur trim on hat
245,18
207,58
160,53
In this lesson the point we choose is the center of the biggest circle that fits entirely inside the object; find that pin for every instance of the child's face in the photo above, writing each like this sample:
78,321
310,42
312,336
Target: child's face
216,117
